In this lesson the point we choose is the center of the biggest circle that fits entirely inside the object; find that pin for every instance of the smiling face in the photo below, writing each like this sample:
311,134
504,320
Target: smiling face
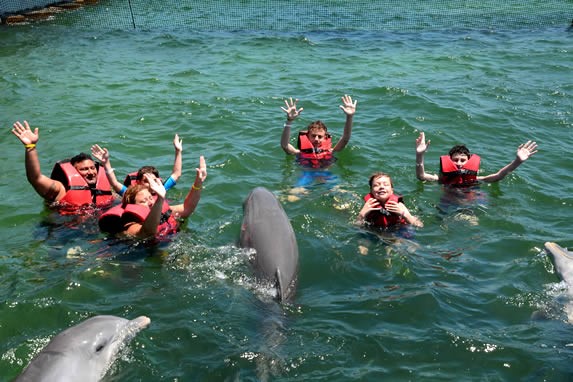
87,170
459,159
381,188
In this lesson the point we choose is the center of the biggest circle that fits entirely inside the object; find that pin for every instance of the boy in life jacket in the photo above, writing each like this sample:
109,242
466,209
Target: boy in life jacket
314,144
141,214
102,154
460,168
79,182
383,208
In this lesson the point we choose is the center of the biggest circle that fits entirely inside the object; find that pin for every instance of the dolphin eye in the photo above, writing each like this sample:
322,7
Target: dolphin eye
100,346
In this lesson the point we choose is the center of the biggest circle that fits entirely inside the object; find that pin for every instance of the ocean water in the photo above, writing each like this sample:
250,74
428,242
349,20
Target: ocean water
470,296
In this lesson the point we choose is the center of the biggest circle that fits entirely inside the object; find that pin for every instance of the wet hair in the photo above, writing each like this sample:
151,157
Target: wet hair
131,193
460,149
146,170
317,125
80,158
377,175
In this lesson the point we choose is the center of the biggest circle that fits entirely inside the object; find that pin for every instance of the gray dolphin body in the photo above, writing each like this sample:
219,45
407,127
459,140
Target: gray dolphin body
267,229
562,261
83,352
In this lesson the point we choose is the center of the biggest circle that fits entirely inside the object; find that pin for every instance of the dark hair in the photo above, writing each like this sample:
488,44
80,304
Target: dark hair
80,158
379,175
460,149
319,125
146,170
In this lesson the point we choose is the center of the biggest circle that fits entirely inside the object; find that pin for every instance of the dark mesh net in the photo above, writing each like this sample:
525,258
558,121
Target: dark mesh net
307,15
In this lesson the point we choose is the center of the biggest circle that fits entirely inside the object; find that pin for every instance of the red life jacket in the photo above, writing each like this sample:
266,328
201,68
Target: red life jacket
114,220
78,191
452,175
384,218
314,156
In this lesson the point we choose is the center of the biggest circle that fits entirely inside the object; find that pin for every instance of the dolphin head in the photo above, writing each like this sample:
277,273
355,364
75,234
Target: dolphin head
266,228
85,351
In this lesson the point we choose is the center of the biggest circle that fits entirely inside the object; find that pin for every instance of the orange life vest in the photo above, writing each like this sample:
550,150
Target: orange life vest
452,175
314,156
79,194
384,218
114,220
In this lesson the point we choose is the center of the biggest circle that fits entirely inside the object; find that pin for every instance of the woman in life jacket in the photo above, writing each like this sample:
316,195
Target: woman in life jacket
383,208
102,154
74,184
461,168
142,213
314,144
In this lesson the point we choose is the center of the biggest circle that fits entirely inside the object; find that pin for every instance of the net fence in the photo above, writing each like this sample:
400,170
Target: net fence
295,15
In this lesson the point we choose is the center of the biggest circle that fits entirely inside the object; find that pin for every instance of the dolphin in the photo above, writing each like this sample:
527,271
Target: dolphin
562,261
266,228
83,352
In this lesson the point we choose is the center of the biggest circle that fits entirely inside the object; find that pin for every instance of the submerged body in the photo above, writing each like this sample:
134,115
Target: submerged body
83,352
266,228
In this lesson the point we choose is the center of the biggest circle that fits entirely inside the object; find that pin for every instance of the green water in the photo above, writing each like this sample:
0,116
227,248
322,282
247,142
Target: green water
451,302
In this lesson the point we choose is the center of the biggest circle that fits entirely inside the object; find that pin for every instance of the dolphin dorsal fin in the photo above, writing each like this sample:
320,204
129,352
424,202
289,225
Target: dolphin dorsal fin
279,284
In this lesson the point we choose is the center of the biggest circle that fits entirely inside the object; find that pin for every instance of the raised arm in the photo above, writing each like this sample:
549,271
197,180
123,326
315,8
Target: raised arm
421,147
194,195
177,166
102,155
149,226
291,113
349,108
49,189
524,152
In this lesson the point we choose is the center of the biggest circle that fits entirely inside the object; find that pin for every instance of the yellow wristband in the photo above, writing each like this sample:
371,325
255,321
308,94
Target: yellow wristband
30,145
196,188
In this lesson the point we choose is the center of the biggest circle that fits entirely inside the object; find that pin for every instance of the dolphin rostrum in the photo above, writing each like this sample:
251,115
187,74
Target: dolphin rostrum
83,352
266,228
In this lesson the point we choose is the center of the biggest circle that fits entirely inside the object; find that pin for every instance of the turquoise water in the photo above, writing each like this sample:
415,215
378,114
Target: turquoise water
453,301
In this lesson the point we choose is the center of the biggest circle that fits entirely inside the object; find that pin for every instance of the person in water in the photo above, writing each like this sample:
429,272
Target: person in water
102,154
460,167
314,144
144,212
78,182
382,208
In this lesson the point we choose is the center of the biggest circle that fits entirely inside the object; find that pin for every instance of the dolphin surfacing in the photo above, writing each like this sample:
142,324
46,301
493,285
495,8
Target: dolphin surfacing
562,261
83,352
266,228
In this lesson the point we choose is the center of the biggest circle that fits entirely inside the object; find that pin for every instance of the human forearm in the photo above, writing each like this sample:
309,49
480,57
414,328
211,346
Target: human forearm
149,226
411,219
502,173
285,137
346,134
177,165
112,179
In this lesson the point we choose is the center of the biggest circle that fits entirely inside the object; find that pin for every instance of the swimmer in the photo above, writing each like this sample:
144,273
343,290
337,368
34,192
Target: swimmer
102,154
383,208
75,182
461,168
145,213
314,144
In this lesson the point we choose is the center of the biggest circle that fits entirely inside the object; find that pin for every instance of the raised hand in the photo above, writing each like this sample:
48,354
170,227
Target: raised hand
526,150
100,154
178,143
155,185
291,111
348,106
421,144
202,169
25,134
